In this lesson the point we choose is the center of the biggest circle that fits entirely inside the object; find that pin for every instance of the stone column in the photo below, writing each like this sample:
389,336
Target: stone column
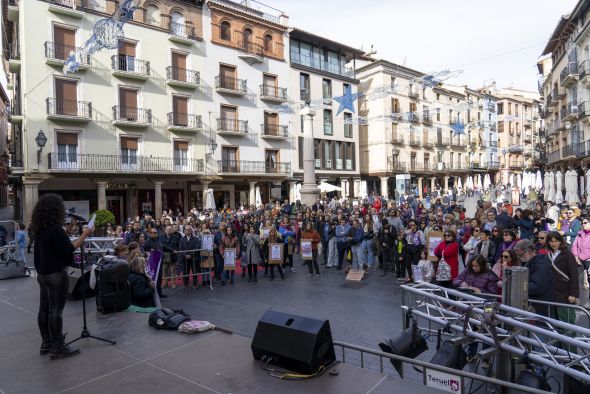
252,200
102,194
158,198
446,184
31,196
432,184
420,181
384,187
204,195
309,189
357,187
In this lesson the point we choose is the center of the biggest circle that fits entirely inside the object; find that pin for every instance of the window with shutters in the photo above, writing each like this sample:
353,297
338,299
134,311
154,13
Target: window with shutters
327,89
126,56
328,129
67,149
180,155
66,97
180,110
268,43
128,104
272,161
229,159
347,125
129,147
64,41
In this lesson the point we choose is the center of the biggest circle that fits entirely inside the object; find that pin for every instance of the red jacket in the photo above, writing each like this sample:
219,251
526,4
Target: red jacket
451,255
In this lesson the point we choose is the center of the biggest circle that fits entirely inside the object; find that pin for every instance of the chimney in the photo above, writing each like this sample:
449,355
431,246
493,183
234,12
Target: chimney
284,19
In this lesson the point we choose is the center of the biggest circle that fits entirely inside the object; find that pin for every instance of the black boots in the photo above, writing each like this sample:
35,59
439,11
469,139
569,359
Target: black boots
45,347
59,349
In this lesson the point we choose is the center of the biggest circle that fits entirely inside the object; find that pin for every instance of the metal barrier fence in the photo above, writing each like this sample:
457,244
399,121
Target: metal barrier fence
181,268
425,365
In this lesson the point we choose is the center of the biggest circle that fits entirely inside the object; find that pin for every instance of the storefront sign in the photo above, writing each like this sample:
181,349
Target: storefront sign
443,381
121,186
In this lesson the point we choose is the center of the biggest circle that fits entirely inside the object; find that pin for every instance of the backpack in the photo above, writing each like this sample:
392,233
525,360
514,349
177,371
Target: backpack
167,319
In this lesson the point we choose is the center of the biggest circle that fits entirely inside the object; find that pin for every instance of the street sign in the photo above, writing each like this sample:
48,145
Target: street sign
443,381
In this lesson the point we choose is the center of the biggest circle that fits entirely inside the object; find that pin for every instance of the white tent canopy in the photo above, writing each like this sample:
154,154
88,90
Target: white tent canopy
558,187
297,192
258,197
327,187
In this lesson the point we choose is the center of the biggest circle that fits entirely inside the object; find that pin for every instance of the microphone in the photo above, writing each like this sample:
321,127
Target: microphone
72,214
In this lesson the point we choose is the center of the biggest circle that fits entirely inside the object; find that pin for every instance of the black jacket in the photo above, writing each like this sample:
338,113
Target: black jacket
53,250
170,245
142,294
186,244
566,262
504,220
540,282
151,244
491,257
387,240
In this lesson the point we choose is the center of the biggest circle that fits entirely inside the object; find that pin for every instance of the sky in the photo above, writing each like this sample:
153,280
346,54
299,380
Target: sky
433,35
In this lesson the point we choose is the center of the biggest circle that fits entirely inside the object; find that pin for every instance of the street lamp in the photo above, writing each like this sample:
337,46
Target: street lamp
41,140
212,145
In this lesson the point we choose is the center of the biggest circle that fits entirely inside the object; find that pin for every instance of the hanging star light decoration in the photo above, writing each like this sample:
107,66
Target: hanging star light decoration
458,128
347,100
105,35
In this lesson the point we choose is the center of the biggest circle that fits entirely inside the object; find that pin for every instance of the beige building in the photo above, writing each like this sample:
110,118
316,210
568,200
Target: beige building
565,84
410,139
518,130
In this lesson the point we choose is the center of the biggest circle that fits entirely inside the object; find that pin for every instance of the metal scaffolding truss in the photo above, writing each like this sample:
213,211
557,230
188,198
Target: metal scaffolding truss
527,336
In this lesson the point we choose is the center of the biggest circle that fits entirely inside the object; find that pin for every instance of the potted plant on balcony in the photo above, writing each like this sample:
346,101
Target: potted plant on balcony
103,218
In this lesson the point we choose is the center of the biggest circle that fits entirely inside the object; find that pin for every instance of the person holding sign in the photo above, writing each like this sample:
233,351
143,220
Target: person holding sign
273,239
251,242
229,241
310,235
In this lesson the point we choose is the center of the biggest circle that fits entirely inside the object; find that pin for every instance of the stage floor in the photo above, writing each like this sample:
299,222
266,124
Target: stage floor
146,360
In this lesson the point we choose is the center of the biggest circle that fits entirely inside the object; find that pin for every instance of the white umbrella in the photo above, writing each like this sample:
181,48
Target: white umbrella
519,181
478,182
582,181
573,187
588,182
363,189
298,192
486,181
558,187
538,180
210,203
511,180
459,183
551,186
469,183
258,197
546,183
327,188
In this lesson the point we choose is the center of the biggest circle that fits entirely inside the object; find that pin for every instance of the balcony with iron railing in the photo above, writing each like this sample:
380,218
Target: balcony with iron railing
318,63
571,111
122,164
584,72
478,167
130,67
549,101
14,111
132,116
231,85
442,141
182,78
394,165
558,93
415,140
580,150
493,165
457,142
250,52
239,167
273,93
68,110
397,139
516,164
427,142
567,151
426,118
440,167
56,54
231,126
271,130
71,8
178,121
569,74
527,137
491,106
584,110
413,93
182,33
553,156
12,54
419,167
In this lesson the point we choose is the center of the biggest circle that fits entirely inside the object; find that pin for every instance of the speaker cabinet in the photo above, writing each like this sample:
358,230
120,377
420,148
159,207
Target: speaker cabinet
293,342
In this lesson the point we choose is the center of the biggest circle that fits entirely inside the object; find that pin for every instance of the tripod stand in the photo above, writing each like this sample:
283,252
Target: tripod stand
85,331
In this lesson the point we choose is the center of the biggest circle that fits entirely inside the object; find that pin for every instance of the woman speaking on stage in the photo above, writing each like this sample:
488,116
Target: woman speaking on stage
54,252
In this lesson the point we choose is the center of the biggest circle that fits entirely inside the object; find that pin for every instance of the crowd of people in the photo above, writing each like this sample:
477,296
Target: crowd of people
388,237
375,235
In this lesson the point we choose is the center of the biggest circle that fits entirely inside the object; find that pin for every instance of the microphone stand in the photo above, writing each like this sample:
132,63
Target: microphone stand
85,331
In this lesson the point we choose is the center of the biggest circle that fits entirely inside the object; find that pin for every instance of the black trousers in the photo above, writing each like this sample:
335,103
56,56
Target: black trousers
272,270
190,265
313,263
252,271
52,300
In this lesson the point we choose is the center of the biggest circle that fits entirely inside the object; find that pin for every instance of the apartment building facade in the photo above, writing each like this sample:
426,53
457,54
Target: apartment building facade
320,70
185,103
566,88
417,135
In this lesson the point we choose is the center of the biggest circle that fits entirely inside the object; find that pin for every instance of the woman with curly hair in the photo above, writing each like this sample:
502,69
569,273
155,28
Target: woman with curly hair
53,253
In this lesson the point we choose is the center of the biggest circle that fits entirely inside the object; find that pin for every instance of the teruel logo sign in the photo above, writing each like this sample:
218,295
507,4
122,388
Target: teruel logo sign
443,381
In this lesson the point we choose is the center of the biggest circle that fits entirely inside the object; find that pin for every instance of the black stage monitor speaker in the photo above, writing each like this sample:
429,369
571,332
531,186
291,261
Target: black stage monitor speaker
75,283
296,343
